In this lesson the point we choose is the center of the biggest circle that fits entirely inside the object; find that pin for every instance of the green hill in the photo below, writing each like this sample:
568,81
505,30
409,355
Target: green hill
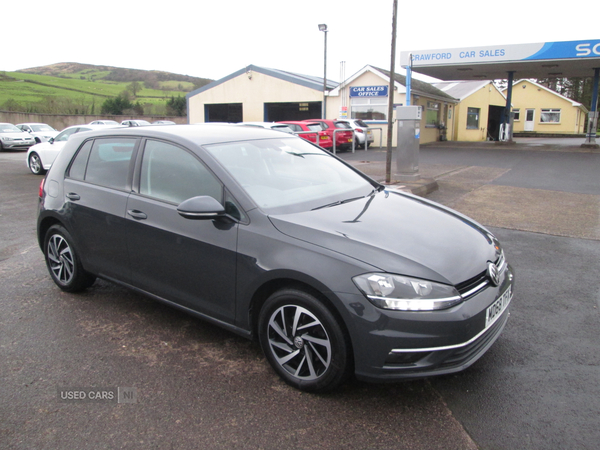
72,88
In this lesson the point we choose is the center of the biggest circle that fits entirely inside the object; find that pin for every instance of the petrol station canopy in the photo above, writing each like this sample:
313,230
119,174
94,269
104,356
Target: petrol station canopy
542,60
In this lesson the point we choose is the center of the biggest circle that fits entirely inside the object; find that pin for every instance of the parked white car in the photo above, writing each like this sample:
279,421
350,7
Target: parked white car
104,122
12,138
41,156
271,125
41,132
362,132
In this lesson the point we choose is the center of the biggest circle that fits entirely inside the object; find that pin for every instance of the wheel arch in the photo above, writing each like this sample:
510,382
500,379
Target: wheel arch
299,282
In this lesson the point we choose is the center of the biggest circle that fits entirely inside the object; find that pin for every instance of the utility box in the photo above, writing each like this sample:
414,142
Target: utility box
408,119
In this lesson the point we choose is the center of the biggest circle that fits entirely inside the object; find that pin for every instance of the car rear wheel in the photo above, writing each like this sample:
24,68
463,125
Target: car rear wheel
303,341
35,164
63,262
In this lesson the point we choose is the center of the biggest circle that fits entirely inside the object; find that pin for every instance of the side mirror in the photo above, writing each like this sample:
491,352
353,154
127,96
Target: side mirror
201,208
51,140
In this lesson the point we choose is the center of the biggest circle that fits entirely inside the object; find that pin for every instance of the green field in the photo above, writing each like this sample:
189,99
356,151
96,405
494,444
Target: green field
86,89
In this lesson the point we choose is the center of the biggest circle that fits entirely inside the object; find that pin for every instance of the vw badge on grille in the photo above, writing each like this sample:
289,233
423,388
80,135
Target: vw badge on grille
493,274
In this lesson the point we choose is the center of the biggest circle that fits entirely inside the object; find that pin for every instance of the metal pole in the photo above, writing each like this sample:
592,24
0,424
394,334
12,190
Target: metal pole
323,28
509,90
388,159
408,79
590,138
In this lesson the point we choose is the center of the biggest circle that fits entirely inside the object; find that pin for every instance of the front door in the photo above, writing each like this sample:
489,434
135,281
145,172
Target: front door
189,262
529,118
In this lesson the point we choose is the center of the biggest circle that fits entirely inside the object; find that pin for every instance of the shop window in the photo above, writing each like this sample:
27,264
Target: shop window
473,118
550,116
373,108
432,116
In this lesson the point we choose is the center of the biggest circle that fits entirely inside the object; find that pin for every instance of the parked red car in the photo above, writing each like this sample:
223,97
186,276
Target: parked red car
343,139
302,126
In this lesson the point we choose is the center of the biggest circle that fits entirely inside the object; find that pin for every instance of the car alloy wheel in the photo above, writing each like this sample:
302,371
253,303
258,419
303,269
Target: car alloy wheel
63,263
35,164
61,259
303,341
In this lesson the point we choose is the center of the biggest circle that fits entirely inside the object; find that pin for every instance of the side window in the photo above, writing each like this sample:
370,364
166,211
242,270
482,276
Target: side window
65,135
77,170
172,174
109,161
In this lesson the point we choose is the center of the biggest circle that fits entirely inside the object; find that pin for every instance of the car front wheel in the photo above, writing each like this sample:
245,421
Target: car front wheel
63,262
35,164
303,341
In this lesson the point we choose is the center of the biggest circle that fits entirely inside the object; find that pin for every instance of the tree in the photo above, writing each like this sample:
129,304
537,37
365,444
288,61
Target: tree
134,87
116,105
176,106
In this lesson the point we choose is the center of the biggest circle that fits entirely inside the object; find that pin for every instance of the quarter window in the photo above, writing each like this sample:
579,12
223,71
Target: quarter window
472,118
550,116
171,174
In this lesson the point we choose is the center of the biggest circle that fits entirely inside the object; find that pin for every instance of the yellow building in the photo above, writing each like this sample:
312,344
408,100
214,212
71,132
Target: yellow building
365,96
479,114
269,95
540,110
257,94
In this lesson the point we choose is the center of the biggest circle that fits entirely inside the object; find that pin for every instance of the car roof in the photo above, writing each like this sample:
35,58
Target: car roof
298,122
200,134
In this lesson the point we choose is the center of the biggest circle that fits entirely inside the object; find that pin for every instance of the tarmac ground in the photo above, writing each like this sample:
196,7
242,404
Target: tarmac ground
459,175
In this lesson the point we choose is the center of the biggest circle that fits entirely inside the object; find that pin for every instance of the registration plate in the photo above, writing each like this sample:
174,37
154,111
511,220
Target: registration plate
497,308
350,140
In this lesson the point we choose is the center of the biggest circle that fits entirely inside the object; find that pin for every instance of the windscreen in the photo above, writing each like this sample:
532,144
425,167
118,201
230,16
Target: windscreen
289,175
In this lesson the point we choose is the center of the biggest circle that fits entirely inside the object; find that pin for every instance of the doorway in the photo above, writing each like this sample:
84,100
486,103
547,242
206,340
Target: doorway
529,119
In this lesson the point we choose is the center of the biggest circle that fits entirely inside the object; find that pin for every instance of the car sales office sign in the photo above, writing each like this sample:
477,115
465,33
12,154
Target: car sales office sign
368,91
504,53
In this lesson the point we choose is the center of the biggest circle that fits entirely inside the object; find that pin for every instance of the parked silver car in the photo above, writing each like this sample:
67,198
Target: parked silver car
13,138
361,131
41,132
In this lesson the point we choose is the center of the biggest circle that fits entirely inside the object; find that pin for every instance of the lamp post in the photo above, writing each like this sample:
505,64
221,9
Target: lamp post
323,28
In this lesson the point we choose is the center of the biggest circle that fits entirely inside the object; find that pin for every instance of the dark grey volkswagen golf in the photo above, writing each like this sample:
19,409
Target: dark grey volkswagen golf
277,240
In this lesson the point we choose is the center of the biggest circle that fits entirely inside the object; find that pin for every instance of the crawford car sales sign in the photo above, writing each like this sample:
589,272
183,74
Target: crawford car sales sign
504,53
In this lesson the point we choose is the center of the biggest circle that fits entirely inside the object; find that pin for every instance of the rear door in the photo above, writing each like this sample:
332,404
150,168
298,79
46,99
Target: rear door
96,187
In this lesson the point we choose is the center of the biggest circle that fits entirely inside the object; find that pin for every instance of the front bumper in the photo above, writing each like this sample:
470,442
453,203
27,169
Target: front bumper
395,345
18,145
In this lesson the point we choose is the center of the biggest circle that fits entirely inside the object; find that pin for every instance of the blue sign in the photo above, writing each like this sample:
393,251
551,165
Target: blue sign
368,91
503,53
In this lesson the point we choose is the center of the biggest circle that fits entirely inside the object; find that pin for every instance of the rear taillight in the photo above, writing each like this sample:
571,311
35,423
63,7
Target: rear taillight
41,192
359,130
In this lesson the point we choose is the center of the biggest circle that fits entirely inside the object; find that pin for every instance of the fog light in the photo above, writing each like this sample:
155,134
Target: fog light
398,359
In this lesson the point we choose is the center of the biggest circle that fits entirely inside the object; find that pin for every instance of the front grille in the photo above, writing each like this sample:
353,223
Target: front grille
479,282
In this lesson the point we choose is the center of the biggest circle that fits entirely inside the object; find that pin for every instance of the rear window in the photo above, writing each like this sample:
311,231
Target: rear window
342,125
360,123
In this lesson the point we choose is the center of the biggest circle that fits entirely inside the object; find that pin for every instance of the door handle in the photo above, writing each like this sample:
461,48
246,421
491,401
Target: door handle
138,215
73,196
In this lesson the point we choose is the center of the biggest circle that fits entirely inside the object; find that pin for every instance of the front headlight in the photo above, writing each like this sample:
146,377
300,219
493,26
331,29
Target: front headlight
402,293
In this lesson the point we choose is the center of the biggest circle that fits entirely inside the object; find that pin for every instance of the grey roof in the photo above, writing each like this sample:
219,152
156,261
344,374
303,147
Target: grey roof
308,81
461,89
420,87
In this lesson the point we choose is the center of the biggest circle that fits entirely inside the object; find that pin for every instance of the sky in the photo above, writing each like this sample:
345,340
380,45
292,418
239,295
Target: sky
212,39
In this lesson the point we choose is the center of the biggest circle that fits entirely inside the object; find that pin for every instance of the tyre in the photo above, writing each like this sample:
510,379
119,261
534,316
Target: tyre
303,341
63,262
35,164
